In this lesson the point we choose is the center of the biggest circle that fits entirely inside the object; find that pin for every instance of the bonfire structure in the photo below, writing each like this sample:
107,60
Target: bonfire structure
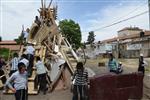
46,37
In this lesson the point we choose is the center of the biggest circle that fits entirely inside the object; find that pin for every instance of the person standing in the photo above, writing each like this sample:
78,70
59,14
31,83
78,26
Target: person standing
112,64
24,60
142,64
25,35
41,76
2,74
30,56
80,78
19,81
120,68
37,21
14,64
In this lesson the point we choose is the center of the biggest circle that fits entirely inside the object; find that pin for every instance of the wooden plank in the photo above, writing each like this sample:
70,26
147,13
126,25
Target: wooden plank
49,49
33,76
44,53
1,84
54,83
68,62
31,88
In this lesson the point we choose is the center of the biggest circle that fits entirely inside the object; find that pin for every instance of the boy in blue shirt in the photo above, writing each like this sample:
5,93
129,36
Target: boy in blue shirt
19,80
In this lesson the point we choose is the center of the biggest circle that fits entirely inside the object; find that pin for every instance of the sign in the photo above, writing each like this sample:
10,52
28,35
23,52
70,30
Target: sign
134,46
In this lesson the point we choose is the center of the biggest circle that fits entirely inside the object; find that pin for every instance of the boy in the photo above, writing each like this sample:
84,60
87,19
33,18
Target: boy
19,80
14,64
41,75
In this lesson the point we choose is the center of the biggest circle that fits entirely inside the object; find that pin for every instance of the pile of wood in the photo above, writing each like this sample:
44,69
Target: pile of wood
45,37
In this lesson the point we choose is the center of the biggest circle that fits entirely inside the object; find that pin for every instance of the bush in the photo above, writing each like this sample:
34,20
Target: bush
4,53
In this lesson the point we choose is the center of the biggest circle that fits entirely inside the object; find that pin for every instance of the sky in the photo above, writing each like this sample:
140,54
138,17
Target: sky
91,15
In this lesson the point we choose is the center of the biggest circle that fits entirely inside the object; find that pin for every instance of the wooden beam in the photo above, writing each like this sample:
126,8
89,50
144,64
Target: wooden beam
49,4
47,46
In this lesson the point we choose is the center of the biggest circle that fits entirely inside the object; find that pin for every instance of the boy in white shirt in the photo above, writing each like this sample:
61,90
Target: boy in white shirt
41,76
30,56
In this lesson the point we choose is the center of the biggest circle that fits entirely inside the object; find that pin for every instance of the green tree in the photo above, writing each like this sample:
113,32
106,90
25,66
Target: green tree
71,31
91,37
4,53
19,40
0,38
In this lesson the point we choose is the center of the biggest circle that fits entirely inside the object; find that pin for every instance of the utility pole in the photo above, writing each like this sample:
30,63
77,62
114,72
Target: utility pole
149,12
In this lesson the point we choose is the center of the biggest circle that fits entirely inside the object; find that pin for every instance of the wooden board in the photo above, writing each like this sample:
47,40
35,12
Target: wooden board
31,88
1,84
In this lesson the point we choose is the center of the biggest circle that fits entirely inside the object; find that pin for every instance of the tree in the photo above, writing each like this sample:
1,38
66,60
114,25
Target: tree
19,40
0,38
91,37
4,52
71,31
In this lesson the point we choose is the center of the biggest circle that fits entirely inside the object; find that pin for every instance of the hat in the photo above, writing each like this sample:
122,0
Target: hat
120,62
141,54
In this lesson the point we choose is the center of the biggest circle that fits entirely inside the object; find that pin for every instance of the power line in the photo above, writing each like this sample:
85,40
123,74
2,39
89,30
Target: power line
131,12
121,21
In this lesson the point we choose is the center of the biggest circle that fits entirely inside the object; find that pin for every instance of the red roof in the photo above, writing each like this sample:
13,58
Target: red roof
7,42
147,33
12,45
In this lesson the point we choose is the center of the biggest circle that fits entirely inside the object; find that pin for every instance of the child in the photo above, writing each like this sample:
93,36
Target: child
14,64
112,64
19,80
142,64
24,60
81,82
41,76
2,73
120,69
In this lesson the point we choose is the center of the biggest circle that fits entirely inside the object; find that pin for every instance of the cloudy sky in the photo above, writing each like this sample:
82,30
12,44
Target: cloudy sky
92,15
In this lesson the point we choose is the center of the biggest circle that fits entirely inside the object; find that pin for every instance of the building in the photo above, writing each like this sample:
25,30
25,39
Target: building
10,44
130,43
129,31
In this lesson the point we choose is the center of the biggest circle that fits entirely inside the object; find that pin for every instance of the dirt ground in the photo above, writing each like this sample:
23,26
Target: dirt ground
130,65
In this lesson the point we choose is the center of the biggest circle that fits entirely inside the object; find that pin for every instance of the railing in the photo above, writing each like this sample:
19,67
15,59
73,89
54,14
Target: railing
71,49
